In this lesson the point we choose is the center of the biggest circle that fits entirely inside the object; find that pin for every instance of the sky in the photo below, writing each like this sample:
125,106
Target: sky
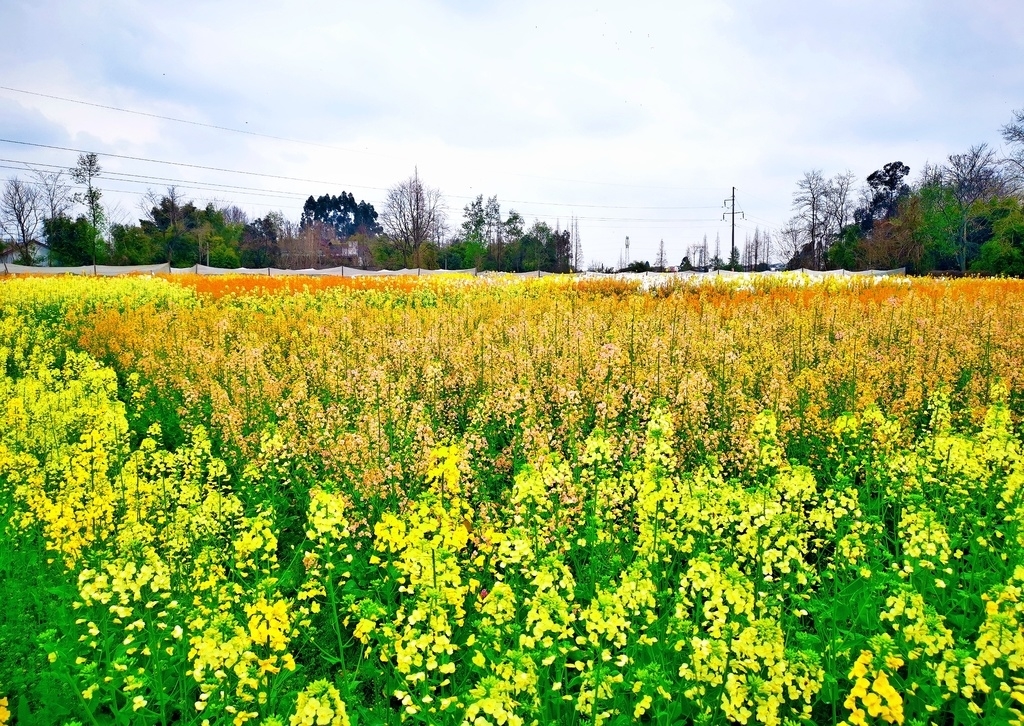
636,118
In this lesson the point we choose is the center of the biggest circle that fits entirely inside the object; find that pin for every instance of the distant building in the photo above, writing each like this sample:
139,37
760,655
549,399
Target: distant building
40,253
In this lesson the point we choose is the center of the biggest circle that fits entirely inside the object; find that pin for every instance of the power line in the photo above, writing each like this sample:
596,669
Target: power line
189,166
154,178
312,181
187,121
250,192
323,146
586,206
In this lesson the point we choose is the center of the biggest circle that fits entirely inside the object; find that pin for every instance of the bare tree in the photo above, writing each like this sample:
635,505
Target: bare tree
823,207
55,194
577,246
21,215
1013,135
758,248
809,202
116,215
234,214
971,177
300,248
930,175
163,210
412,215
791,242
838,204
494,230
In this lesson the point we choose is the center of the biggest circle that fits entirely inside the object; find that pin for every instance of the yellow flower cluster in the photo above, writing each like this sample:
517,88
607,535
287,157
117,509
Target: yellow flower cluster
996,673
872,694
534,503
319,704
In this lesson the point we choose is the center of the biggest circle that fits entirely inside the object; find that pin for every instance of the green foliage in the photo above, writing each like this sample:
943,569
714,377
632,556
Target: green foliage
385,254
87,169
464,254
487,242
259,246
342,214
846,252
939,225
1003,253
638,266
74,243
180,234
734,260
132,246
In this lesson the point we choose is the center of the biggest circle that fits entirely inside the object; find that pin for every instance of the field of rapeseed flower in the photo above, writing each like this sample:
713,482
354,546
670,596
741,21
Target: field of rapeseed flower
450,501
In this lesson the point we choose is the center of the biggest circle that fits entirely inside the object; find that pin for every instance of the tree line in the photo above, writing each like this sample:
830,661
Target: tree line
43,222
964,214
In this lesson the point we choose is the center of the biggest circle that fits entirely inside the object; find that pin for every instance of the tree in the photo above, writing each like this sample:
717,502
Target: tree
637,266
342,213
561,250
661,261
513,230
494,232
172,222
734,260
260,240
175,231
20,217
971,177
901,240
1013,135
823,207
130,245
792,244
542,248
838,205
938,223
412,216
234,214
474,223
73,243
300,250
577,246
887,188
845,253
1003,252
86,171
222,244
809,204
54,194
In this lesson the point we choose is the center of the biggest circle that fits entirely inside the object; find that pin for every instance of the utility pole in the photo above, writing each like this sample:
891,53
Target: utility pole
627,251
732,201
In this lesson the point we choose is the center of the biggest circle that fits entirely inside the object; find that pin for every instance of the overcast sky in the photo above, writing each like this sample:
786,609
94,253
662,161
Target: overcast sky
637,118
